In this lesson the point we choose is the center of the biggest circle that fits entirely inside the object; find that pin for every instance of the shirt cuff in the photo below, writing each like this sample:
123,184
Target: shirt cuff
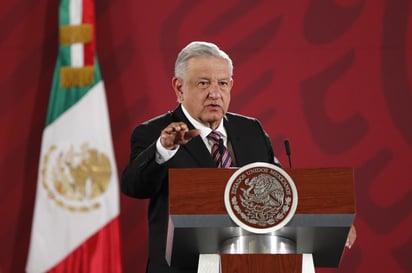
163,154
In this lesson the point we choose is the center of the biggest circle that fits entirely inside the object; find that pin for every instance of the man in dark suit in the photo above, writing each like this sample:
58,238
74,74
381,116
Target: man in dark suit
179,139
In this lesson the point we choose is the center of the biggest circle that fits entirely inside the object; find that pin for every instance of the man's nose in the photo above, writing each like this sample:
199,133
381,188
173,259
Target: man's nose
214,90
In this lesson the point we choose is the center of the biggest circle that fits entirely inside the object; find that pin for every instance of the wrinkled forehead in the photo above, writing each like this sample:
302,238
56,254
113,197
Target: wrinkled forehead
208,67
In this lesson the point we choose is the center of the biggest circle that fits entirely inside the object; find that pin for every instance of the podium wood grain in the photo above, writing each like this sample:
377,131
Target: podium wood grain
261,263
320,190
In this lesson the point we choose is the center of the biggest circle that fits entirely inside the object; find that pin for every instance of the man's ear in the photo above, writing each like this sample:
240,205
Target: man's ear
177,86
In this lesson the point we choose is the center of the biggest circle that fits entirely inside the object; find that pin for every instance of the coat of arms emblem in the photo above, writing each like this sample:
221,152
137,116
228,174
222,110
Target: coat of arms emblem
76,180
261,197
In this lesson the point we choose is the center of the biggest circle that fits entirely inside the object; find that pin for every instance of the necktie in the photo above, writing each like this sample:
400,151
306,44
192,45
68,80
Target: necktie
219,152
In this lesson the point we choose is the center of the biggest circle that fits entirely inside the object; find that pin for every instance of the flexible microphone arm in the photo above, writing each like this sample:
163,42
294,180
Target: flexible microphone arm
288,153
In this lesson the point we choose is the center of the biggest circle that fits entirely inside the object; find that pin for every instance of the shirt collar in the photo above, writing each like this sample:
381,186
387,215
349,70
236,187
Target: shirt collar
204,130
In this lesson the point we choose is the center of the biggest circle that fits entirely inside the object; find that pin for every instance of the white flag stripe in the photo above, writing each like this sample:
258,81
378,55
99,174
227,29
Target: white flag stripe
75,17
77,55
58,231
75,12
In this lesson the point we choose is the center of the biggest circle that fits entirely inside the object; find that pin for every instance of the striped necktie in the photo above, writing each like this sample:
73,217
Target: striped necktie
220,154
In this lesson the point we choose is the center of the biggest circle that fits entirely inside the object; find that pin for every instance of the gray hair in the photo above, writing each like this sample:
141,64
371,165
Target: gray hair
197,49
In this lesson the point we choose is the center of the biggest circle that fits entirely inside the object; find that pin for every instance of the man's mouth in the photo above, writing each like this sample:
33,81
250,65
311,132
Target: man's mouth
214,105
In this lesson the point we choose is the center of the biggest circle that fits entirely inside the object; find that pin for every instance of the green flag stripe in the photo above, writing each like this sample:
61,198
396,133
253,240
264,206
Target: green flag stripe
62,99
65,55
64,18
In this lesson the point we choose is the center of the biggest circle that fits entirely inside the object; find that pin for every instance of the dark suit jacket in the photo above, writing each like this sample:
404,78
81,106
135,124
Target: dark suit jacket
144,178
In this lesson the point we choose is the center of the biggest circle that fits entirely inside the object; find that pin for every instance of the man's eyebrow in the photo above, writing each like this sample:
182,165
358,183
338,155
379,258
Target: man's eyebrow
224,79
208,79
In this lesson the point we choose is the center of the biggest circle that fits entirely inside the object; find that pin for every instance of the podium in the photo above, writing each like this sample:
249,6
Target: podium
199,223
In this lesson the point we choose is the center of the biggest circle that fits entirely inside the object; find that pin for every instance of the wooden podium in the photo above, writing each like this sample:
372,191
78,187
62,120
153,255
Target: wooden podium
199,223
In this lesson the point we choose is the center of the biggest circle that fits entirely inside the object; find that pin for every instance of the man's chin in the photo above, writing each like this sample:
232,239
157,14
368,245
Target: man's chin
214,120
214,116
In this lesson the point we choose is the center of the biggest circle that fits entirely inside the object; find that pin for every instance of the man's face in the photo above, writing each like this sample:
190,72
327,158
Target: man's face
205,91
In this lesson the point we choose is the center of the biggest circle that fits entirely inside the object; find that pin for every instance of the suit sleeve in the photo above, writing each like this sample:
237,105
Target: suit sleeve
268,144
143,177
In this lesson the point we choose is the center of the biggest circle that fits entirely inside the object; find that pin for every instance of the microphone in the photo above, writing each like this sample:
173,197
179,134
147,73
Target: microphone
288,153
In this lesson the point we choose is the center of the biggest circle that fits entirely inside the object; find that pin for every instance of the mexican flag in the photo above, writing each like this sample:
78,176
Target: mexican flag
76,215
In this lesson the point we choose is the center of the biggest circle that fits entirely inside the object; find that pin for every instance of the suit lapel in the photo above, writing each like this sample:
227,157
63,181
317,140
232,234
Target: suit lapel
197,149
234,136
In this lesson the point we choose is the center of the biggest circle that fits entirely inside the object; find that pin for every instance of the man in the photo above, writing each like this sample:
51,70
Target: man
180,139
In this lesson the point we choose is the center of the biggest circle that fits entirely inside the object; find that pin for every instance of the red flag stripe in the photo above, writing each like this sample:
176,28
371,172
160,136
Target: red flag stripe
101,253
88,17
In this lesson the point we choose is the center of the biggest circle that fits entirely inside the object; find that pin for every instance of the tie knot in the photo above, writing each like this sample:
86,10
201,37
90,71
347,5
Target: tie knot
214,136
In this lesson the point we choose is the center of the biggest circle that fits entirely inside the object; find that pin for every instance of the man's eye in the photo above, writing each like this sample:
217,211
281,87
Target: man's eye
224,83
203,84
